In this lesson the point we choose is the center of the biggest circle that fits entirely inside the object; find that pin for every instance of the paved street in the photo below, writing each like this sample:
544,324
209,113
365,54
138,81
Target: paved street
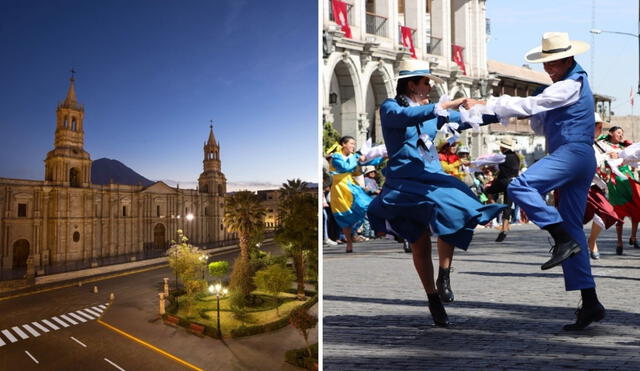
58,330
507,314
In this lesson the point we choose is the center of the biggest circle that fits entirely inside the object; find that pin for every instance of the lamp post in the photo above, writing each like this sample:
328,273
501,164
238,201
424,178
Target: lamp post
218,290
597,31
203,260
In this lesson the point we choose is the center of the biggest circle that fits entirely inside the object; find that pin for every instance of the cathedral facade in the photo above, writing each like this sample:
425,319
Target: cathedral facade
66,221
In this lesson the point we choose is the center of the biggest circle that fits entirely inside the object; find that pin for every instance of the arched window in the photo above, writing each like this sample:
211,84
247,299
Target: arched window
74,177
76,236
66,122
73,124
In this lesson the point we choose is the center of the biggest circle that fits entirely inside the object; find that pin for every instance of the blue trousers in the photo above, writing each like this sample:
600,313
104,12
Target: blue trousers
570,169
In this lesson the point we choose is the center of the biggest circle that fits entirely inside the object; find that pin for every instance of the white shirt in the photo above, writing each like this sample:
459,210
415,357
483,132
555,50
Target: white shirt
560,94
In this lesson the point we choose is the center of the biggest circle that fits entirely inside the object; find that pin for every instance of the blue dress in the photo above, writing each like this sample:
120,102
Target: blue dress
349,201
418,195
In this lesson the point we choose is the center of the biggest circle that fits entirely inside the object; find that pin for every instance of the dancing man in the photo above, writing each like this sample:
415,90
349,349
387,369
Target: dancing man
563,112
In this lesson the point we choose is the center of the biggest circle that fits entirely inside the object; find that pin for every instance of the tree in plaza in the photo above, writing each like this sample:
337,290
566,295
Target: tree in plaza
302,321
243,215
185,260
329,136
298,231
218,269
273,280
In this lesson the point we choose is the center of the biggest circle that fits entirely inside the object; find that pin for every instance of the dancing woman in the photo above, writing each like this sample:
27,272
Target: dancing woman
418,198
348,200
624,192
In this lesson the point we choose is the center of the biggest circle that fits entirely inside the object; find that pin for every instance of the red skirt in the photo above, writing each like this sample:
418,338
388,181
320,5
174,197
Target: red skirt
597,204
630,209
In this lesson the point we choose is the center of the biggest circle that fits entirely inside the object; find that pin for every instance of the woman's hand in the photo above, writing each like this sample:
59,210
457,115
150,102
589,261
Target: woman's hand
613,155
362,158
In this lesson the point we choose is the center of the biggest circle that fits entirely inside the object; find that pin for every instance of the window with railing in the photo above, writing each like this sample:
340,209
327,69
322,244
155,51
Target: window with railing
377,25
433,45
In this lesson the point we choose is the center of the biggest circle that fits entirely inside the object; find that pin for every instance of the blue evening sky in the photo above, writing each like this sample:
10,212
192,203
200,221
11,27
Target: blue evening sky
517,27
151,74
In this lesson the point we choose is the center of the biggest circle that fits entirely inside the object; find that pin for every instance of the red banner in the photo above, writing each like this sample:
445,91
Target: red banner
407,39
340,16
458,58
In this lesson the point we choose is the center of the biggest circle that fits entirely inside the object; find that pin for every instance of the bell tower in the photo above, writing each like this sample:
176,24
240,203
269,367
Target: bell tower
212,180
68,164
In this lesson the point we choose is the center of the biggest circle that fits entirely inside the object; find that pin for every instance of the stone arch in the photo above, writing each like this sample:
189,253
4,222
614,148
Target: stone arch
379,87
437,90
457,92
74,177
344,84
20,253
159,236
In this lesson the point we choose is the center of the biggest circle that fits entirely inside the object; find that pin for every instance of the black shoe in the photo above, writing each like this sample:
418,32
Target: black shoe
619,249
634,243
584,317
406,247
443,284
501,237
561,252
438,313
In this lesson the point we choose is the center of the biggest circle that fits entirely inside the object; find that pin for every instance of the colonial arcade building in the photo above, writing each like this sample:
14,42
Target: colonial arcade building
65,220
363,41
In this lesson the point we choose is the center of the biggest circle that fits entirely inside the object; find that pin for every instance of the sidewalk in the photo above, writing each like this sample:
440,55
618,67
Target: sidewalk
507,314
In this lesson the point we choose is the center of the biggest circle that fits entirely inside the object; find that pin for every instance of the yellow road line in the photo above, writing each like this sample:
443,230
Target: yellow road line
149,346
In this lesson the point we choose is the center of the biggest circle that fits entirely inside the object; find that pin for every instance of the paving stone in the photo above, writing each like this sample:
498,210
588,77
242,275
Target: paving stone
508,314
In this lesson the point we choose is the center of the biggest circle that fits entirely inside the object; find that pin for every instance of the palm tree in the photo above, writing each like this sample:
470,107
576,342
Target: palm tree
243,214
298,232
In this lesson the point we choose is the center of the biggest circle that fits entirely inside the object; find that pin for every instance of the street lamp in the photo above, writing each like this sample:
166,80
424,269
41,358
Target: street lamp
219,291
597,31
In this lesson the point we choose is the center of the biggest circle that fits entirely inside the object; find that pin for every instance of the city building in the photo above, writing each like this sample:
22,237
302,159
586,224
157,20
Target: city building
65,222
363,41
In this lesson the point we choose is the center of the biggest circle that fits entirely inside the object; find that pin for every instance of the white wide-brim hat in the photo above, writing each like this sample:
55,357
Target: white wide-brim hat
555,45
507,142
416,67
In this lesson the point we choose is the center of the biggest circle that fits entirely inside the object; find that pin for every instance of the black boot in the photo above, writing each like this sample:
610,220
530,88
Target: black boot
501,236
561,252
443,284
438,313
586,315
406,247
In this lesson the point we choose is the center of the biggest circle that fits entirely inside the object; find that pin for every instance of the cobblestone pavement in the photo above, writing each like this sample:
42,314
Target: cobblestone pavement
507,314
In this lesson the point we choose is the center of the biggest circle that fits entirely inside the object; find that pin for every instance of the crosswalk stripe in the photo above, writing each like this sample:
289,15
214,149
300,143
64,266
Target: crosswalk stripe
2,343
83,314
102,306
39,326
31,330
9,336
98,309
64,317
20,333
77,317
60,321
92,312
48,323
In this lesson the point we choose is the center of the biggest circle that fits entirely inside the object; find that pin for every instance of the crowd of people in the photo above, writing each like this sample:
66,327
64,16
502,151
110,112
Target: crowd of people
424,190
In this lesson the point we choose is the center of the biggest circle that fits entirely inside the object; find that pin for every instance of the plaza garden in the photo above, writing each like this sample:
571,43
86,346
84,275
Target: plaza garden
260,292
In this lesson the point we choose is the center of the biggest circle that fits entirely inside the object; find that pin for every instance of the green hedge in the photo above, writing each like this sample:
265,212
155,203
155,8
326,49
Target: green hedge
271,326
300,357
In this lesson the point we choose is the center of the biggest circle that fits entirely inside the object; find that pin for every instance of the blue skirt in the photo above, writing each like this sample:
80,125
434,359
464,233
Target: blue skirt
435,201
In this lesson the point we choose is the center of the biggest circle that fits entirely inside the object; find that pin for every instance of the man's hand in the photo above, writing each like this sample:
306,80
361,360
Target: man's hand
453,103
470,102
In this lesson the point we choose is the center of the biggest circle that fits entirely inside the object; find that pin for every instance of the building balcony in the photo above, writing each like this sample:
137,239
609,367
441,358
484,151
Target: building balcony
377,25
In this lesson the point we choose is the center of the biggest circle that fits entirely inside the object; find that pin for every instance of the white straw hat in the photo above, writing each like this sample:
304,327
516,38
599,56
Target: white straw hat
555,45
507,142
416,67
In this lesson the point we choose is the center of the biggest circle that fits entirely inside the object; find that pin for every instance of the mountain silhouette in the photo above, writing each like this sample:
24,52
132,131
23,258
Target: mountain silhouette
105,170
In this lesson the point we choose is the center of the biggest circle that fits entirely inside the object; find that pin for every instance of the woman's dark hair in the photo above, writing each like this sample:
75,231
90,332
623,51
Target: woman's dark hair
345,139
403,84
614,128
